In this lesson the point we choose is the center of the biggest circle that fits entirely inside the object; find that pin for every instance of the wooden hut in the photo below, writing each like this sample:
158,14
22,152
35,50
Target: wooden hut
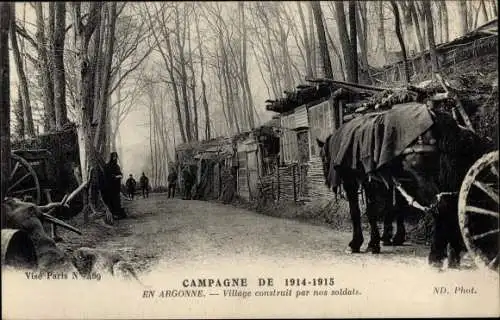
206,160
257,152
310,112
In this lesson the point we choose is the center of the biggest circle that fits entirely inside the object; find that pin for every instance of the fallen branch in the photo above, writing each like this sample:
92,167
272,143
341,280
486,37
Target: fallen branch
73,194
49,218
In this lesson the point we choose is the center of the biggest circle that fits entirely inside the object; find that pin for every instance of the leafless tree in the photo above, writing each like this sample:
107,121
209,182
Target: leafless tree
323,45
5,23
464,16
25,102
429,22
397,21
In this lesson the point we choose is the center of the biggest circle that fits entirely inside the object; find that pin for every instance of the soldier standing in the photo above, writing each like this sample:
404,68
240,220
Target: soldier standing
188,178
113,177
172,183
131,184
144,182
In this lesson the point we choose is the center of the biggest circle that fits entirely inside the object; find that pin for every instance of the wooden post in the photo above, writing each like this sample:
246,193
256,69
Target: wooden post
294,182
335,114
220,180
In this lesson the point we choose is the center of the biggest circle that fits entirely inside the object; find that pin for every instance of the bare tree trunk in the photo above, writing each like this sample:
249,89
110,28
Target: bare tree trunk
397,21
312,39
45,80
416,23
494,7
225,109
19,115
151,140
6,9
335,50
58,69
323,45
470,14
89,156
183,74
182,128
23,82
430,36
361,27
101,119
483,10
225,72
203,85
193,88
381,29
444,11
307,49
246,83
344,40
463,14
353,40
169,65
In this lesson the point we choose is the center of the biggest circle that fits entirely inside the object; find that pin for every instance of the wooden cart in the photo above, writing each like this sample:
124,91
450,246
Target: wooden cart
478,211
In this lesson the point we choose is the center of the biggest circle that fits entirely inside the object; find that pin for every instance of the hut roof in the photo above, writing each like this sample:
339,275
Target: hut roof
203,145
304,94
310,95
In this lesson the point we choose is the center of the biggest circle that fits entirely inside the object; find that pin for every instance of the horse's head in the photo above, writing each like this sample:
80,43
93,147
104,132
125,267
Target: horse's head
440,158
325,158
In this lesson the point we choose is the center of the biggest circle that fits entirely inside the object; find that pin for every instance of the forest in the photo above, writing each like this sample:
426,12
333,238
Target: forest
196,70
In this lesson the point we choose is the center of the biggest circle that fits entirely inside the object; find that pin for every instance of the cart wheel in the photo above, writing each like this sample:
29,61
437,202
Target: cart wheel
478,211
23,180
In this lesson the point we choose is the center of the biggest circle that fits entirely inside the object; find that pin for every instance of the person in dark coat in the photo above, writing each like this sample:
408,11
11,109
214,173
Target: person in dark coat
144,183
189,180
111,196
172,183
131,184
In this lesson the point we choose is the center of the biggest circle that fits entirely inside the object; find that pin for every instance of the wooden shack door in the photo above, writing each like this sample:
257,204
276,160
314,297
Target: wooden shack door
252,173
242,187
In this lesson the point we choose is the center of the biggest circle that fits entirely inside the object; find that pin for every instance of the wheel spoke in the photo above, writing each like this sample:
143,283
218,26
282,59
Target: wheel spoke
19,181
493,169
14,171
22,191
492,262
485,234
487,189
482,211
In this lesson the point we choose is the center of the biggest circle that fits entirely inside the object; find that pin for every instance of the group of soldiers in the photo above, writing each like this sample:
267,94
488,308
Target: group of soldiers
111,186
131,185
172,178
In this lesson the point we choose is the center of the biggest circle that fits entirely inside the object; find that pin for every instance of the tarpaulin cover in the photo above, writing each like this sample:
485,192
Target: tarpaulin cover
373,140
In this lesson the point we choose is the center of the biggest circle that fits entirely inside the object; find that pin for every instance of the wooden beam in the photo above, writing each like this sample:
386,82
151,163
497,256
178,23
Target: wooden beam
348,84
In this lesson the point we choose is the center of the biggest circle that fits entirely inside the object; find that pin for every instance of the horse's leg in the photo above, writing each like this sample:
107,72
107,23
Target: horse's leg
454,236
400,236
388,219
351,189
371,212
439,238
400,211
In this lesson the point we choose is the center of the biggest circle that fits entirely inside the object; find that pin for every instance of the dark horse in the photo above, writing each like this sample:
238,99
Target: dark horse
433,163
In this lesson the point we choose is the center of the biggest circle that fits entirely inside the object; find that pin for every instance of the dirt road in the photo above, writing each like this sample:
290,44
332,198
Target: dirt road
172,242
183,231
